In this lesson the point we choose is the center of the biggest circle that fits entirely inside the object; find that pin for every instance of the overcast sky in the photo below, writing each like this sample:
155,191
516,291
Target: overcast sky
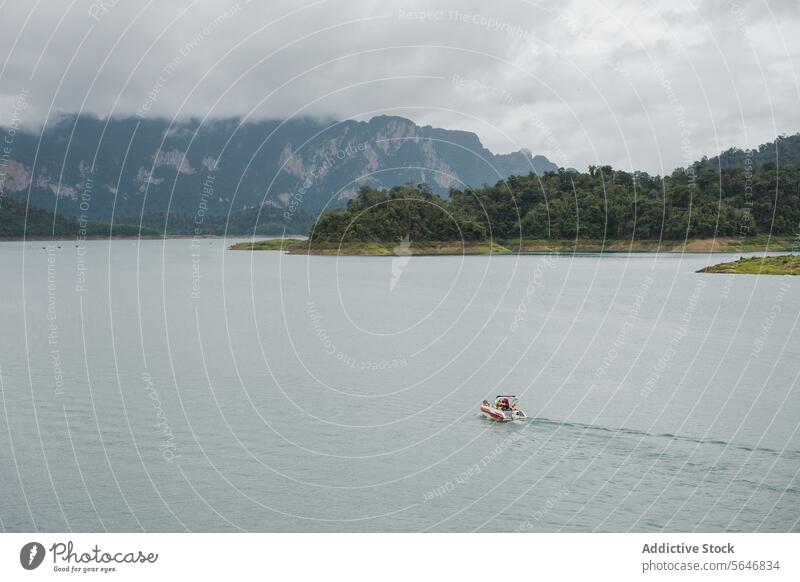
634,84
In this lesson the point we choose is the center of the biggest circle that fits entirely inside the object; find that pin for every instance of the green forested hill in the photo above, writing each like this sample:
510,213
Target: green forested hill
602,203
38,223
41,224
784,151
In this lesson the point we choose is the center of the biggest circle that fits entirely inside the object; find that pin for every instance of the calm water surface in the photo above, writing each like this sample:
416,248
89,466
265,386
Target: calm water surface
162,387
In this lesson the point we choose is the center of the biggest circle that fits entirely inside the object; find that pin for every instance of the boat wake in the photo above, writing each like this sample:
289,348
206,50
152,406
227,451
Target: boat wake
788,453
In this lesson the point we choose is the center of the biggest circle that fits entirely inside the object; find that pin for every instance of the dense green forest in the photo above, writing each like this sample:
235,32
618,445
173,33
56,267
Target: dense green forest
784,151
268,222
602,203
43,224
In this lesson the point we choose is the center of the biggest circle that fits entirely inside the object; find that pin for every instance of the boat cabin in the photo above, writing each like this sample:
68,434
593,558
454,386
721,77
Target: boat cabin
504,402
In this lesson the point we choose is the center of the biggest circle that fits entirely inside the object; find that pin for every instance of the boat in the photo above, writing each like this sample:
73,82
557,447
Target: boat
504,409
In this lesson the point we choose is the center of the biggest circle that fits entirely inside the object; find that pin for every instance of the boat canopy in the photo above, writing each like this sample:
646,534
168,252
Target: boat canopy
510,400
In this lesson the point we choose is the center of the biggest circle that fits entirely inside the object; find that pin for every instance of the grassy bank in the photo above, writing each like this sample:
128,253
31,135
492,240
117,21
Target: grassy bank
784,265
372,249
718,245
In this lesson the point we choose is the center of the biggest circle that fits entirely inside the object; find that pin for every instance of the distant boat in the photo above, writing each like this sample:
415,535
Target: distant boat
504,409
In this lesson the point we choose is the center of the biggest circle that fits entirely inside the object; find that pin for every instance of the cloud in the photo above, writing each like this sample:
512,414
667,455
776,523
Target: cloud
625,83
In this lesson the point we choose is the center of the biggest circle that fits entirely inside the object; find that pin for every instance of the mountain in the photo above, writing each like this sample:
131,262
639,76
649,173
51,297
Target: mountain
198,174
521,163
784,151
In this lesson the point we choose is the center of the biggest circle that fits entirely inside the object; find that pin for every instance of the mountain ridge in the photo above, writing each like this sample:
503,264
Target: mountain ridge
104,169
178,178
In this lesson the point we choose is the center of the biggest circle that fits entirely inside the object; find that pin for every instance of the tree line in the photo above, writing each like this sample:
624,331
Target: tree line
602,203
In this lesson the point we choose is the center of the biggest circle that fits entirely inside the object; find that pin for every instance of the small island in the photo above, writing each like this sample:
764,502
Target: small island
782,265
602,210
295,246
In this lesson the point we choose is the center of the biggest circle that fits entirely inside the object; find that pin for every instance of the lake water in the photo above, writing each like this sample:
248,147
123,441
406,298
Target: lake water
155,386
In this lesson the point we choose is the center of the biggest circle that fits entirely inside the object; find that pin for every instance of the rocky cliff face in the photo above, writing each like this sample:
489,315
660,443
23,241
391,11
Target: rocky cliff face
122,168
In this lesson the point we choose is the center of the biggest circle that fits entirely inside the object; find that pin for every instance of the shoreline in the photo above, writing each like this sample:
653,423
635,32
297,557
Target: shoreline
780,265
516,247
149,237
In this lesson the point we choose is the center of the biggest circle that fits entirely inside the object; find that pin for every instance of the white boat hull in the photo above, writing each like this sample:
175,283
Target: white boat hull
502,415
